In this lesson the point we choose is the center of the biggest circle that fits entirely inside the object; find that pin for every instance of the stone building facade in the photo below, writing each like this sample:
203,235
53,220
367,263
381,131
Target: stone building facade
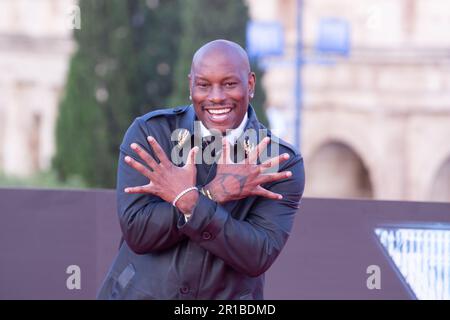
375,123
35,47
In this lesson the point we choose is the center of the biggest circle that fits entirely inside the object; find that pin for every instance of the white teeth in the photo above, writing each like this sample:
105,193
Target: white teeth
219,111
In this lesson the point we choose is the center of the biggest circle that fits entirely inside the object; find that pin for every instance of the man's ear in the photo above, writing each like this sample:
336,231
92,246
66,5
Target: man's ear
251,84
190,84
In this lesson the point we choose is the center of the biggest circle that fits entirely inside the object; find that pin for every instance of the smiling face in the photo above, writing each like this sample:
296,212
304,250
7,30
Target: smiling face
221,84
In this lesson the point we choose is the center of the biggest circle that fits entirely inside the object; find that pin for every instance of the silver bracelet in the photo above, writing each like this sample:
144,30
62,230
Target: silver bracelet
182,193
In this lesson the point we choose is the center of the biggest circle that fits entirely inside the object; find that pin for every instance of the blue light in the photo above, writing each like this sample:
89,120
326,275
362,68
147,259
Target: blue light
264,39
334,36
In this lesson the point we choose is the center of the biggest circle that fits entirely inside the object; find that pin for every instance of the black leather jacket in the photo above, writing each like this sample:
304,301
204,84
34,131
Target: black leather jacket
222,252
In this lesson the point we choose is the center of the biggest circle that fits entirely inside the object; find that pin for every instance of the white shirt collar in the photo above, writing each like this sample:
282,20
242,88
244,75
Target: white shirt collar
232,135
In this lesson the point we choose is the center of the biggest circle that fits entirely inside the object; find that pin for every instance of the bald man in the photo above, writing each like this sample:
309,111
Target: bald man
206,194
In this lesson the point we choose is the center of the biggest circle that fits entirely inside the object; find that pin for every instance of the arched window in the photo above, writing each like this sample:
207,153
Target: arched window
336,171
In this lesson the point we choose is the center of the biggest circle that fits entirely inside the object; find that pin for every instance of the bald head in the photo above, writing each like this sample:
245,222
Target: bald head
222,49
221,84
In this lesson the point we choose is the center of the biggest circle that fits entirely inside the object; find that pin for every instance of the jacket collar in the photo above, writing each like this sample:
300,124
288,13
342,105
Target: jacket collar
188,121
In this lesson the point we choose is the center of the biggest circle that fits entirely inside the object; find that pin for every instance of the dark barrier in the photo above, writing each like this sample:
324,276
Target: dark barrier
333,252
44,232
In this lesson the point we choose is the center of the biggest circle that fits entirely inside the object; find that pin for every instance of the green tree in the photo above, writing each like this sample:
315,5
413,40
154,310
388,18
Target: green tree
201,22
121,69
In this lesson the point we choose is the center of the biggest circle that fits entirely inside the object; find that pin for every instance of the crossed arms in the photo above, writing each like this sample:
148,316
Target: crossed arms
148,182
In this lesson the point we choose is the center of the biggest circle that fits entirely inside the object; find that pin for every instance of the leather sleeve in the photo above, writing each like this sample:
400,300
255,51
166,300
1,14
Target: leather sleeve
148,223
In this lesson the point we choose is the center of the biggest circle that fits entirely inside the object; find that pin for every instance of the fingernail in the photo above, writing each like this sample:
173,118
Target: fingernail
150,139
127,159
266,139
127,190
288,174
286,155
280,197
134,146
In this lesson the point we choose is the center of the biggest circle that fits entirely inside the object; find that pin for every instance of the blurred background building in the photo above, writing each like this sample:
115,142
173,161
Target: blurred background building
375,122
35,49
